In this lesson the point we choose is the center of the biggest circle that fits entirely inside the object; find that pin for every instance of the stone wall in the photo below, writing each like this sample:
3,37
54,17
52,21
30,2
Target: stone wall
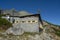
26,25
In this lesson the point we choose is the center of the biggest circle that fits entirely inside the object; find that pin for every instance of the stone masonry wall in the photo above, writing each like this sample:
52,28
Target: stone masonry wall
27,26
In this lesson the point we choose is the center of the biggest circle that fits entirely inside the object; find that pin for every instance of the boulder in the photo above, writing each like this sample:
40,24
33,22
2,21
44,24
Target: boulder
15,31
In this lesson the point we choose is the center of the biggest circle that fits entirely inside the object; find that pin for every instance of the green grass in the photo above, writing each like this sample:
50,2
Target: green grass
57,32
29,33
4,24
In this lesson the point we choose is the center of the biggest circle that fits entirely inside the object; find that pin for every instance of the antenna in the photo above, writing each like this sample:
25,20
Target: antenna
38,11
13,14
13,10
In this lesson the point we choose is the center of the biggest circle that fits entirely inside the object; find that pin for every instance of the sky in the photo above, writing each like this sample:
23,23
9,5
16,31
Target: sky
49,9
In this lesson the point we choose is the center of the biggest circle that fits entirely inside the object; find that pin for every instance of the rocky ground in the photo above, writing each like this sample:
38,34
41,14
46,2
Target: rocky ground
44,35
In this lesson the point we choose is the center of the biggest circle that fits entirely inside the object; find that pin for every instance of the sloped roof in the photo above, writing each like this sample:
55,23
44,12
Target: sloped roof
27,16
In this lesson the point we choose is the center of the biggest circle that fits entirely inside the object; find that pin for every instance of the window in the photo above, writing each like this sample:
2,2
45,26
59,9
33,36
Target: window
23,21
29,21
33,21
16,21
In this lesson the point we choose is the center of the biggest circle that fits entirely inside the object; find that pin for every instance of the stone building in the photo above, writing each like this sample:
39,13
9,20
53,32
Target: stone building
28,23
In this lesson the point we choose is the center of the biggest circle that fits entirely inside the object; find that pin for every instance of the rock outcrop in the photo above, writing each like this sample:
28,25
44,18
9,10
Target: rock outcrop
15,31
44,35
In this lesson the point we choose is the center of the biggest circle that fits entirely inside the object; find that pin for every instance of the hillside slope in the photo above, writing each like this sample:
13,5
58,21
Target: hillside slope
52,29
49,32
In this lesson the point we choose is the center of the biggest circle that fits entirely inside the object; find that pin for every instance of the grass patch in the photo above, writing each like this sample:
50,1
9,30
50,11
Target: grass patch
57,32
31,33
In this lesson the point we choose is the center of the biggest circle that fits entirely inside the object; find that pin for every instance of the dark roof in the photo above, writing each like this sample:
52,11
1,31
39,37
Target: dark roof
26,16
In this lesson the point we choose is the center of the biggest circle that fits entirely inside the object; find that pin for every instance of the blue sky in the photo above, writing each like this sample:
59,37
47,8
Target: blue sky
49,9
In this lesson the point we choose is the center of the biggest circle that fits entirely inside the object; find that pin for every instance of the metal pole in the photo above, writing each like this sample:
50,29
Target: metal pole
13,14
